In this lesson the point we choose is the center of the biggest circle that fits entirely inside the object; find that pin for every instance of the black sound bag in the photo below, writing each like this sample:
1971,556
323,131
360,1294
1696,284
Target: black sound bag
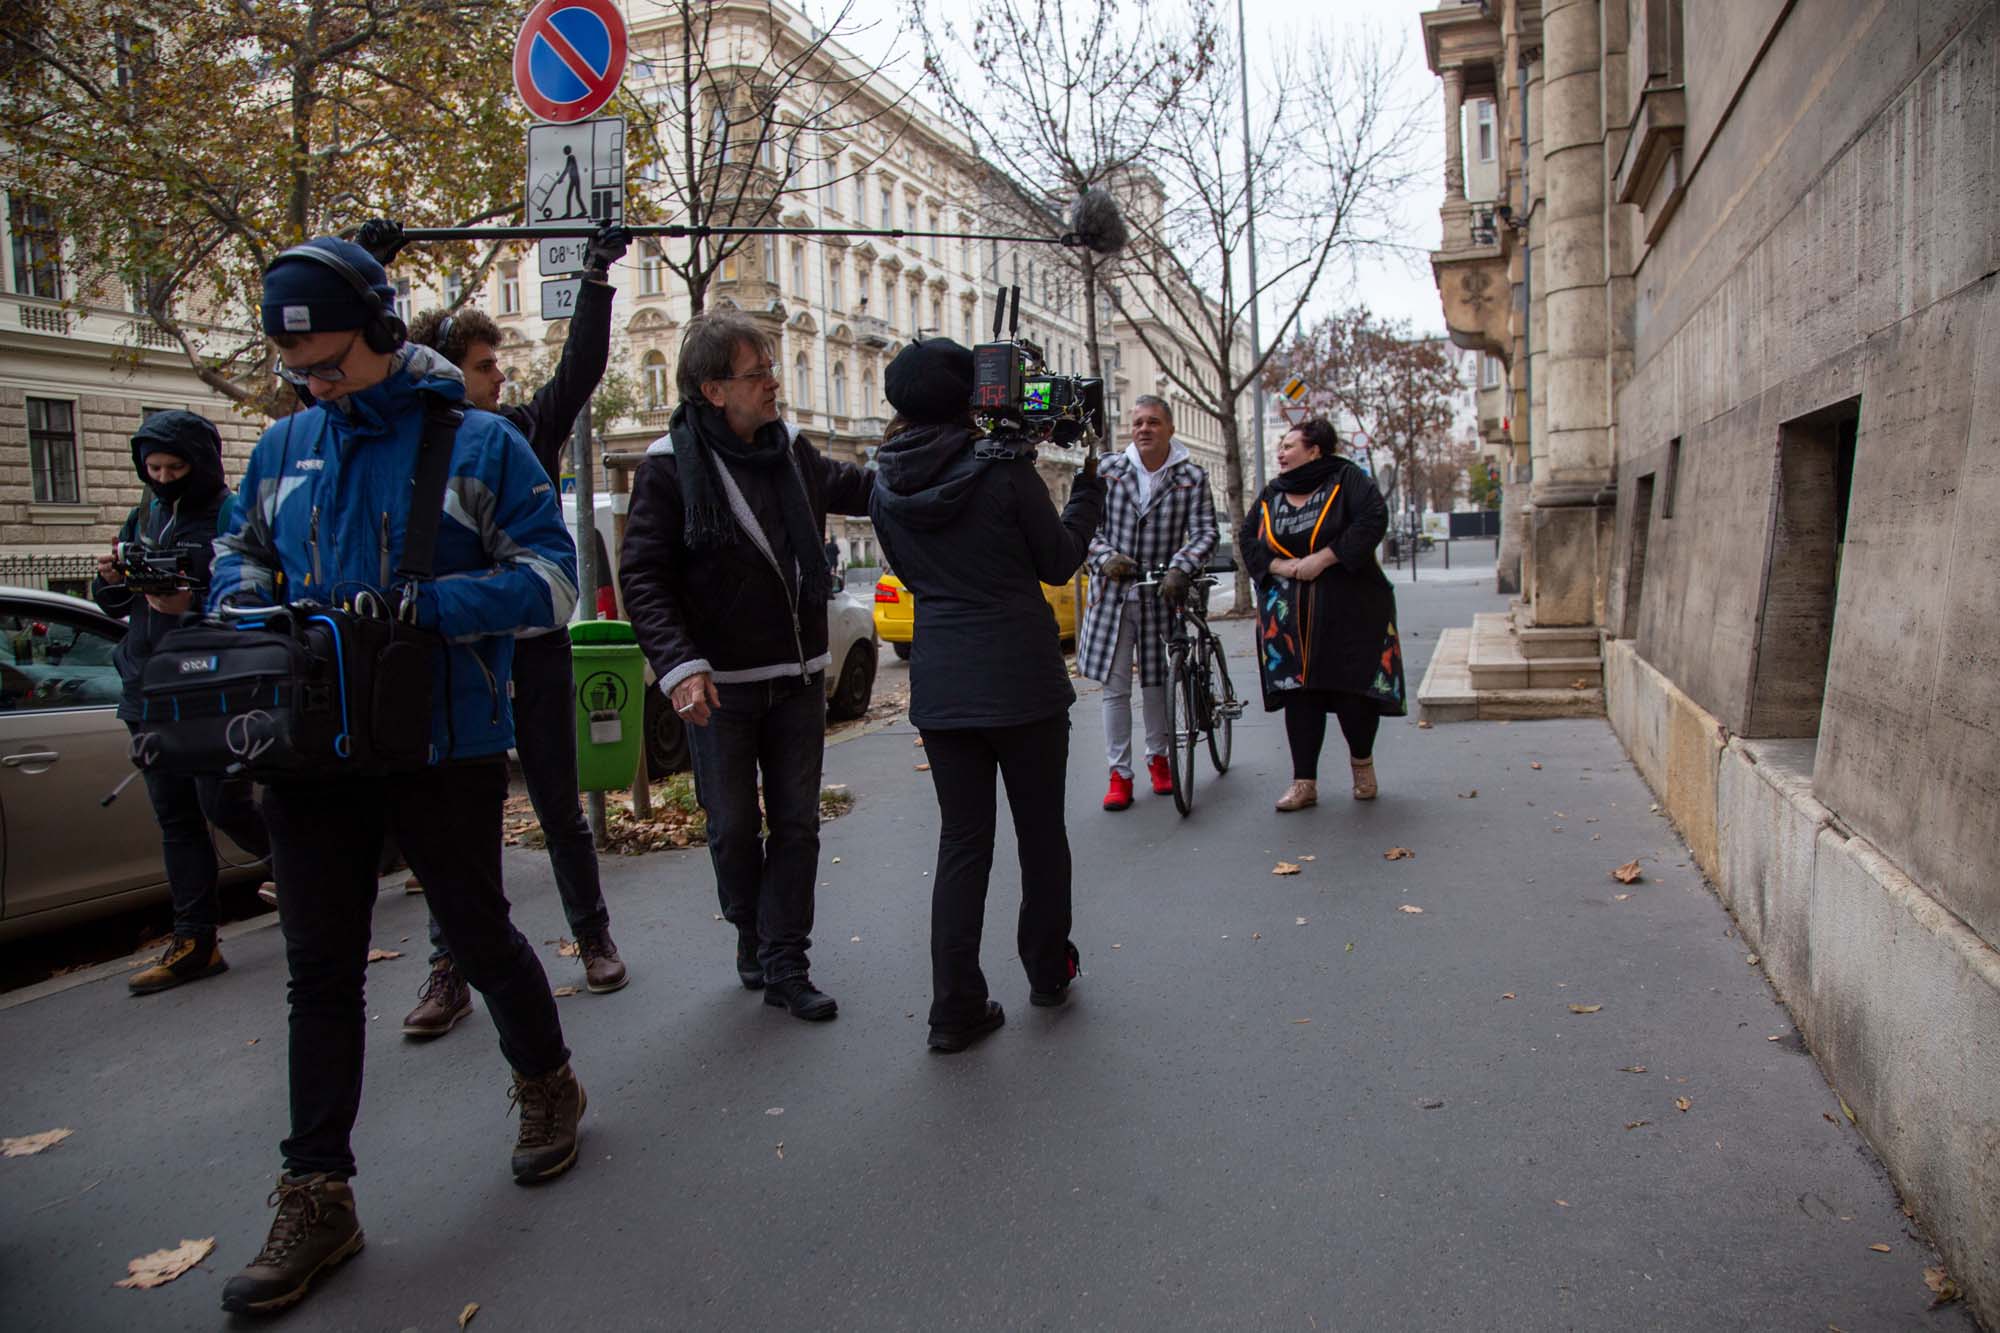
304,691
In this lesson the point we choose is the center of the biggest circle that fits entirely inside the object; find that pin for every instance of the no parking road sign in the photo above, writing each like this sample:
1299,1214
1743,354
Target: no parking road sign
569,58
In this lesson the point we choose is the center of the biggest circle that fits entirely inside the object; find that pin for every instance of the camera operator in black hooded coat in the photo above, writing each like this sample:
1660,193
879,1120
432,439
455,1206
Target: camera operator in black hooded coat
178,456
974,536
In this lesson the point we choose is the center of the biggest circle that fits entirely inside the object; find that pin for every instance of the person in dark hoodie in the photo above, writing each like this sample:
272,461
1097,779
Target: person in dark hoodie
178,455
726,589
972,532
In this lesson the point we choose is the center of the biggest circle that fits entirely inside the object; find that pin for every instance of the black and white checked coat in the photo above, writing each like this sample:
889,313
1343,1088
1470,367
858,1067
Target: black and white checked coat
1177,526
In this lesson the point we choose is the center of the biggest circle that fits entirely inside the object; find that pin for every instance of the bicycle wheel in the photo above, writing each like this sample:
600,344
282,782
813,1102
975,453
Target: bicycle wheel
1182,728
1222,708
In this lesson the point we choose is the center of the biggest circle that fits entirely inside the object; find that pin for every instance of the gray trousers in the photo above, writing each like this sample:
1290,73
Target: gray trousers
1118,703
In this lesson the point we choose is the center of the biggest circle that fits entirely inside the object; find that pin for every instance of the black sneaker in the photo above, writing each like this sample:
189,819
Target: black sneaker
798,995
950,1041
1049,999
748,970
551,1107
314,1230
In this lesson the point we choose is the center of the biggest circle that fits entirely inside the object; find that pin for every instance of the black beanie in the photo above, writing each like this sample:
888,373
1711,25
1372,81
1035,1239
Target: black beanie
302,295
930,382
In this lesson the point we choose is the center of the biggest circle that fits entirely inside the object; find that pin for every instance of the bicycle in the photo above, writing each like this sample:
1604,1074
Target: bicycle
1197,709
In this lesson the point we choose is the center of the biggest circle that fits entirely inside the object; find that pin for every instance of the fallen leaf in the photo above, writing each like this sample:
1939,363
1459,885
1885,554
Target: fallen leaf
465,1315
1753,960
1432,1104
1302,1020
251,1042
836,861
1631,1069
1940,1282
1258,935
27,1145
1561,815
1683,1104
1350,946
1562,1203
562,992
919,742
1507,995
1117,946
1472,795
774,1110
1308,858
1585,1008
855,940
781,1150
1829,1119
1536,765
1637,1124
1620,897
383,955
1879,1249
1285,868
923,768
1413,911
1629,873
1845,1109
1299,922
1579,684
1423,725
163,1266
1398,854
566,948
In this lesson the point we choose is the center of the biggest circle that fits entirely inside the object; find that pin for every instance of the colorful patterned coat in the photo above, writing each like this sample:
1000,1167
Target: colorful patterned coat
1176,527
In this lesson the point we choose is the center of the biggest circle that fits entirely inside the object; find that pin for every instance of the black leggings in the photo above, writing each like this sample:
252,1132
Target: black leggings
1305,728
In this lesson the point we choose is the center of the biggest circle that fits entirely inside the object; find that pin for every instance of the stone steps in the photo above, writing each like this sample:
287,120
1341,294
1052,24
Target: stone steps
1480,674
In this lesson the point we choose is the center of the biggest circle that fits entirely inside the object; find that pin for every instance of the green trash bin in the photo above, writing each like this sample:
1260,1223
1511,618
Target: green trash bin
610,674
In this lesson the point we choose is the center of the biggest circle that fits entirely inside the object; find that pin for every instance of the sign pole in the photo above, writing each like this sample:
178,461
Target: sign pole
587,574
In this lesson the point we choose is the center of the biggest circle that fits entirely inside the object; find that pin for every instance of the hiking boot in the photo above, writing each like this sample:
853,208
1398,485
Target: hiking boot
1049,999
950,1041
1119,794
799,995
1364,778
444,1000
748,970
314,1230
1162,776
186,959
602,972
550,1108
1302,793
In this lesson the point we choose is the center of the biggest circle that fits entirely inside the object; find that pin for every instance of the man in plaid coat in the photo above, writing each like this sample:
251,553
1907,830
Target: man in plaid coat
1157,513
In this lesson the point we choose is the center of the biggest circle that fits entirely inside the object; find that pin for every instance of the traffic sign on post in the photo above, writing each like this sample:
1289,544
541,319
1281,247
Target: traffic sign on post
576,177
569,57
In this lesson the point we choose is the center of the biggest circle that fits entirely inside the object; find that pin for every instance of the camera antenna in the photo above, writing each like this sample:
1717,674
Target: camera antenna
1014,323
999,314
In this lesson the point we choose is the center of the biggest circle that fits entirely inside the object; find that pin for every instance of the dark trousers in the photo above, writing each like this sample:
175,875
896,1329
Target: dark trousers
765,880
545,738
326,838
184,808
1033,760
1305,727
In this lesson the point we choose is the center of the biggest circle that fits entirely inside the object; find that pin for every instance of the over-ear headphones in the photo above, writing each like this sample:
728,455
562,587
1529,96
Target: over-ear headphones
382,331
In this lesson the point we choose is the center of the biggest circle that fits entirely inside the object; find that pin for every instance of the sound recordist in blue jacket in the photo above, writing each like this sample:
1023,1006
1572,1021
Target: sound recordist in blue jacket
321,516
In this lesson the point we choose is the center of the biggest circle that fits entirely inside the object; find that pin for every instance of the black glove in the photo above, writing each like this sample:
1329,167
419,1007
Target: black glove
1174,585
1119,567
382,238
604,249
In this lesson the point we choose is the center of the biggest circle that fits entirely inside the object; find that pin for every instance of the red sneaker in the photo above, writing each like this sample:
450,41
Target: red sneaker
1163,781
1119,794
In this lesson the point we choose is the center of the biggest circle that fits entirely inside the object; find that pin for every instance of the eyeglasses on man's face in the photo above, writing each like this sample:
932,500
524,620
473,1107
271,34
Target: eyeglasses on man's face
766,371
326,372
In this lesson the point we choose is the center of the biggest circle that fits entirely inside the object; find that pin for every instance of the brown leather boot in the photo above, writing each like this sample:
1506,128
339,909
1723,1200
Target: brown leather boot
186,959
444,1000
315,1229
551,1107
602,970
1364,778
1302,793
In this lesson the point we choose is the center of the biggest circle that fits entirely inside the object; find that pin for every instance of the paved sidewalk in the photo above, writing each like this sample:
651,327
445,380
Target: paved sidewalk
1274,1101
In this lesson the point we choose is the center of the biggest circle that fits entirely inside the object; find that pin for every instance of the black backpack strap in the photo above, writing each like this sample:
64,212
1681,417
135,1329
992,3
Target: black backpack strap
441,422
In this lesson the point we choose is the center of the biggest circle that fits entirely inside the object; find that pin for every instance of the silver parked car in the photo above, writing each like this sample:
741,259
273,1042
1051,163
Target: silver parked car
64,856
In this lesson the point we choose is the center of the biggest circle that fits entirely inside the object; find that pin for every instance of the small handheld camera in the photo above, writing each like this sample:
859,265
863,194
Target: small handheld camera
152,569
1015,397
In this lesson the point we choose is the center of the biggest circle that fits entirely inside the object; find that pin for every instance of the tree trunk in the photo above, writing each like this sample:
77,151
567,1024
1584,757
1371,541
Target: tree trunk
1232,467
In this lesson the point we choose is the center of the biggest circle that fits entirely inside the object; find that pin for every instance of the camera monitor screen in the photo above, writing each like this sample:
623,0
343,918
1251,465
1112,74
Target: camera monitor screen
1038,395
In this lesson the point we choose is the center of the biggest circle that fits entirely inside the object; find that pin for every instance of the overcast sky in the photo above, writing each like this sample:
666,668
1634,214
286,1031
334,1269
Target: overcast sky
1389,286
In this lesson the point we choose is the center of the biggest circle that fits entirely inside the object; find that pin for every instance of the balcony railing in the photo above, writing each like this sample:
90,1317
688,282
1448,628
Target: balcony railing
872,331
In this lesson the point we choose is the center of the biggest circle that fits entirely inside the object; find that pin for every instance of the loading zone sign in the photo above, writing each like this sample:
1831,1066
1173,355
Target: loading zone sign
576,178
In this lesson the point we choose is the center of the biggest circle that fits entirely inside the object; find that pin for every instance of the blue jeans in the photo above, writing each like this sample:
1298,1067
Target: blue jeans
545,738
775,728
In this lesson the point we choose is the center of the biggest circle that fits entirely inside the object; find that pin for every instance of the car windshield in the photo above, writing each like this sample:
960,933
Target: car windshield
49,662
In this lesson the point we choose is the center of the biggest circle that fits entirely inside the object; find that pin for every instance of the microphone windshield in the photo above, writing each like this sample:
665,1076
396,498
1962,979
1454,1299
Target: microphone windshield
1096,223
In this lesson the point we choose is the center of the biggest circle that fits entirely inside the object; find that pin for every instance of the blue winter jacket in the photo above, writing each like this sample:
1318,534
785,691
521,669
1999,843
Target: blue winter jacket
321,515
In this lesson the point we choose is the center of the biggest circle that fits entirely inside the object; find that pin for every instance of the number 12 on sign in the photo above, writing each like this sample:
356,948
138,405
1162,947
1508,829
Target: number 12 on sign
559,297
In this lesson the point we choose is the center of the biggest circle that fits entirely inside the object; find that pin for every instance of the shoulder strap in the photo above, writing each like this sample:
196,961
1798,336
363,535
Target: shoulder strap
224,512
441,422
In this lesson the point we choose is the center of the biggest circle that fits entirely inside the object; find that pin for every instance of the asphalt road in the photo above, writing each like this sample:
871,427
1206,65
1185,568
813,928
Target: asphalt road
1271,1102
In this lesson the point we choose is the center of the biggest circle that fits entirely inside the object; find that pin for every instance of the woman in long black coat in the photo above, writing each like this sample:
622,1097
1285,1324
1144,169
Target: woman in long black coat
1326,615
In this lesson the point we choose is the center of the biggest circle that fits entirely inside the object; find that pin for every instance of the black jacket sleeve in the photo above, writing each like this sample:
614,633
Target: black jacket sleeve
1367,519
1251,551
550,416
652,551
115,599
843,486
1057,545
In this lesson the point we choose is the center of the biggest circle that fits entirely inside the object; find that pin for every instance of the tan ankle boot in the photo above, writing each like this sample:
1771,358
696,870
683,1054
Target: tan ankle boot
1302,793
1364,778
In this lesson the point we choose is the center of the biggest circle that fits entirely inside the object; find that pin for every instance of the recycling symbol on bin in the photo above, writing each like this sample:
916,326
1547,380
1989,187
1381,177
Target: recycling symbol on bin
602,692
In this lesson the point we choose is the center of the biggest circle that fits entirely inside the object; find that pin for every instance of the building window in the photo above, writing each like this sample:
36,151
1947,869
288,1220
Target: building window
937,243
968,326
1483,110
937,316
1673,476
1489,371
728,270
887,217
802,380
840,388
869,402
454,290
835,280
888,296
52,450
37,248
860,195
510,289
718,134
916,309
651,269
798,268
771,260
656,380
403,302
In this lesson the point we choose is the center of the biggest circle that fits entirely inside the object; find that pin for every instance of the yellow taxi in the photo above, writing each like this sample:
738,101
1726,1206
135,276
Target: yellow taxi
896,609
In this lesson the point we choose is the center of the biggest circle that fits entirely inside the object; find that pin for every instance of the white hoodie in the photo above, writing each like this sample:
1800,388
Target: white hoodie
1176,452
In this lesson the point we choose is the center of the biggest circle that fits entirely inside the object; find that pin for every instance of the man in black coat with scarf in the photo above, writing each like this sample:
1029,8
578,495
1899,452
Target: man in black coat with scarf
726,588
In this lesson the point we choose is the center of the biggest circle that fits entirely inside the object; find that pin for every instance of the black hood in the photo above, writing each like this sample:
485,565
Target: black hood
925,475
186,436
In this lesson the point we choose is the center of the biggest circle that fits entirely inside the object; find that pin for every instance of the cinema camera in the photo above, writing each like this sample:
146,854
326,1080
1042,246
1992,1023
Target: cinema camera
153,569
1018,401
